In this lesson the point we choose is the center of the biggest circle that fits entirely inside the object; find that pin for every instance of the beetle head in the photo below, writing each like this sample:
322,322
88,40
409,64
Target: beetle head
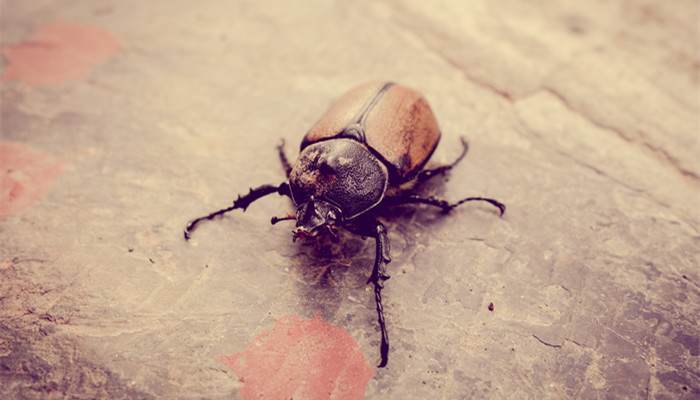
316,215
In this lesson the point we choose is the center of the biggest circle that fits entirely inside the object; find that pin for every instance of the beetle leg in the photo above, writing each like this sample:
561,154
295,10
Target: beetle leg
429,173
434,201
283,157
241,202
377,230
501,207
379,276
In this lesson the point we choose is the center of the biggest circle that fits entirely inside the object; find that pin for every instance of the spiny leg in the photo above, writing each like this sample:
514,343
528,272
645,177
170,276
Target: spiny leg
379,276
444,205
283,158
377,230
429,173
241,202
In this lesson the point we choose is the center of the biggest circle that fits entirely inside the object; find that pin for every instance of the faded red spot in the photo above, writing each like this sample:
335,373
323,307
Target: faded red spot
58,52
301,359
24,178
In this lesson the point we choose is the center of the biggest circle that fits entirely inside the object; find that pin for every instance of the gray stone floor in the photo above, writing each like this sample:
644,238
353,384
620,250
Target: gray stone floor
582,118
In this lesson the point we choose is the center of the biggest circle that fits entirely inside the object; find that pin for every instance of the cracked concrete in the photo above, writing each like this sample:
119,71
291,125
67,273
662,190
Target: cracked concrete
582,117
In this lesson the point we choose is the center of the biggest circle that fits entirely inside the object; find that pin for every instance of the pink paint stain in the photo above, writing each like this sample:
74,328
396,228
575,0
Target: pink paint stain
301,359
24,178
58,52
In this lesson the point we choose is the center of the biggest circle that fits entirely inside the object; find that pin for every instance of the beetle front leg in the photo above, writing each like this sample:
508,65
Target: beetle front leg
429,173
378,277
242,202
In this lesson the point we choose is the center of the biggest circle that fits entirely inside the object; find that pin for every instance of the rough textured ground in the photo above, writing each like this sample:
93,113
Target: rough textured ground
582,118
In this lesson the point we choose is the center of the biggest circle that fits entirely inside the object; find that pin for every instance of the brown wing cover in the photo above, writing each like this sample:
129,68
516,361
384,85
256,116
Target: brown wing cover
341,113
400,127
403,129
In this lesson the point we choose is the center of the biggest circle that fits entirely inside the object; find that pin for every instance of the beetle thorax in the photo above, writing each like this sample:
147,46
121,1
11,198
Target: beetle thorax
339,172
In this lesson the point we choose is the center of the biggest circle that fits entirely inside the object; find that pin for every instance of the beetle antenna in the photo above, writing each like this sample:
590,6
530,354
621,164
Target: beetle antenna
275,220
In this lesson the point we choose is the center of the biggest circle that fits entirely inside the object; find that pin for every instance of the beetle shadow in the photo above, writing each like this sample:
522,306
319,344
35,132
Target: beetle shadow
326,273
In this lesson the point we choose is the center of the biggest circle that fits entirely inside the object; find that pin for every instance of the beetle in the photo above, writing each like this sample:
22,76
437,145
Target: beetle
364,154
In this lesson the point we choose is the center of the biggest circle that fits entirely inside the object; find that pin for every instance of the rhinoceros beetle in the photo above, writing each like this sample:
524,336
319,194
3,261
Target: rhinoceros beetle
364,154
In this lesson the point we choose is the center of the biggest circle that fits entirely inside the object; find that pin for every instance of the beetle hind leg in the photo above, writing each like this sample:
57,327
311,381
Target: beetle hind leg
501,207
444,205
430,173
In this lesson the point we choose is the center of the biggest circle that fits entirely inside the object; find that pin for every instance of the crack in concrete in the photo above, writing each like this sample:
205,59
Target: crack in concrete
584,164
543,143
659,152
558,346
575,342
609,177
412,31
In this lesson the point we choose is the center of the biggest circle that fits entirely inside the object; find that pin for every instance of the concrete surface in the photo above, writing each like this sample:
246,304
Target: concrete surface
582,118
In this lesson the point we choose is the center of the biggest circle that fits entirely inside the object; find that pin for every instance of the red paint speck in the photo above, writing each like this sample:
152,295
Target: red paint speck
58,52
301,359
24,178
